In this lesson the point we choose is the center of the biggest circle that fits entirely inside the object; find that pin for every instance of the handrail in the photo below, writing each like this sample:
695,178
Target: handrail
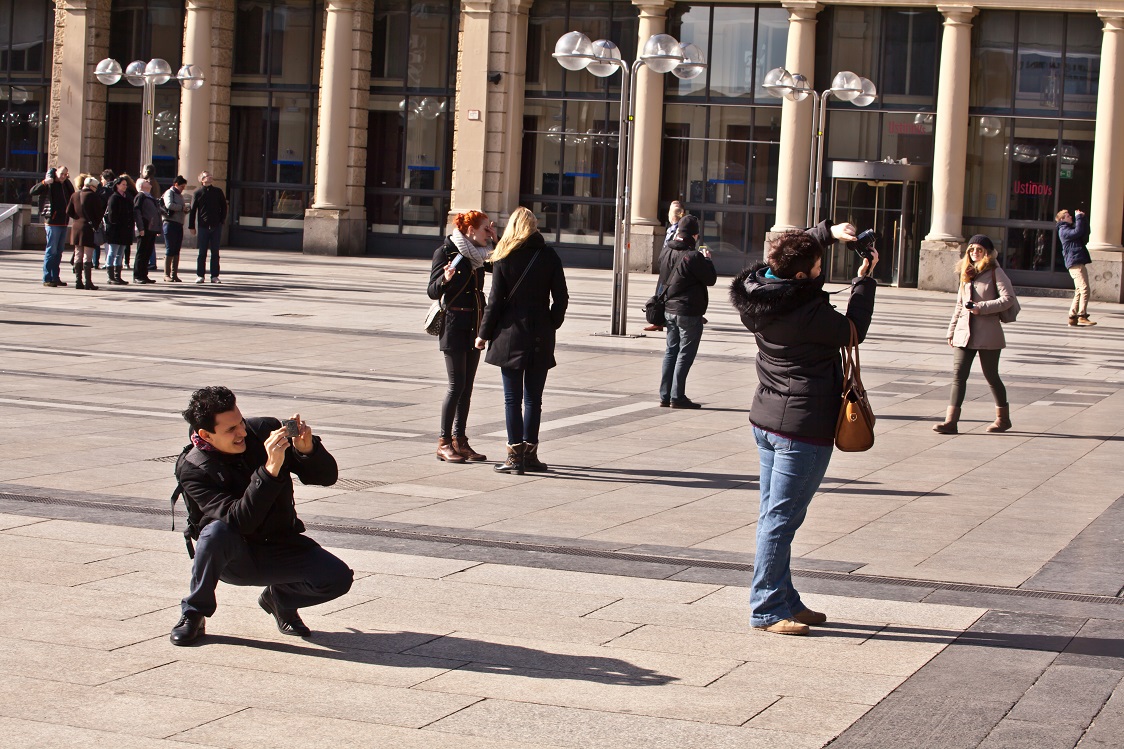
11,210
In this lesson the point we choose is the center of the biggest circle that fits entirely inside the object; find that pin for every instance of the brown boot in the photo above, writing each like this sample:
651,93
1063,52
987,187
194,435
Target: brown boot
1073,321
460,444
167,269
531,460
948,426
1084,321
1002,419
446,452
514,462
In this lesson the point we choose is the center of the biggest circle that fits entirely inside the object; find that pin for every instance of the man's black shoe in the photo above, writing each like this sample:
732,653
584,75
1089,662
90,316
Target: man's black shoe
191,626
685,403
290,624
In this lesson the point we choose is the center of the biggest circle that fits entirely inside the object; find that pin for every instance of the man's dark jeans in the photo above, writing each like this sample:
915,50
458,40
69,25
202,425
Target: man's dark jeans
298,571
209,237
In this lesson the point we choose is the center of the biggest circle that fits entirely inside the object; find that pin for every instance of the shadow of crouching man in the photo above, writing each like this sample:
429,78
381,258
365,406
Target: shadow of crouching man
236,480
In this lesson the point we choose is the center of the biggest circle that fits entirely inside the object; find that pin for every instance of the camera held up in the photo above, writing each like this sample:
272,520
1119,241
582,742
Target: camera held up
864,243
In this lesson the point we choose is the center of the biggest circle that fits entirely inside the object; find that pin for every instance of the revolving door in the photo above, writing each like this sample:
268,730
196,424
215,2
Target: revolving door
889,198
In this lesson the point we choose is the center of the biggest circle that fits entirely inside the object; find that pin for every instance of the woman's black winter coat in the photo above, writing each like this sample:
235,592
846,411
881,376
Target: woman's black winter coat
799,335
119,219
463,297
686,273
521,326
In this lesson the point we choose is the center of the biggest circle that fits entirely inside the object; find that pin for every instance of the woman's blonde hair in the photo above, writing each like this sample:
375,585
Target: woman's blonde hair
967,270
520,227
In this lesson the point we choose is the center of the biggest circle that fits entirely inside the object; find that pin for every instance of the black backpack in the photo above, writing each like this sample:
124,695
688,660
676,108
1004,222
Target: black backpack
198,458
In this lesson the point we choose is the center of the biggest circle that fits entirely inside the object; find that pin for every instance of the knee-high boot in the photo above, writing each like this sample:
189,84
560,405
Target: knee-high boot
78,284
89,270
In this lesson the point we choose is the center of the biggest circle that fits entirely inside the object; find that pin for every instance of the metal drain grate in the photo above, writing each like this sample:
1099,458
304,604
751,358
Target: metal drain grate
574,551
164,459
357,485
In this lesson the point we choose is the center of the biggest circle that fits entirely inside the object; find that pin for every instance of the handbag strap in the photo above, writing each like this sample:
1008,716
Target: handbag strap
667,287
851,368
467,281
524,275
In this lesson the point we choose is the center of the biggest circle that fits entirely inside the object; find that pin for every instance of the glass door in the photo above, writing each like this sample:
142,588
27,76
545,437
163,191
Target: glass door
889,207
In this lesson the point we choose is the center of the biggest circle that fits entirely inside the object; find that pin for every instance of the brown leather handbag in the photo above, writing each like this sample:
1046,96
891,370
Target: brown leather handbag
854,431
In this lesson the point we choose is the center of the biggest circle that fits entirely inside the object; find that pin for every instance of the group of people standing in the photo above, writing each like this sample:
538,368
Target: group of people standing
117,213
525,306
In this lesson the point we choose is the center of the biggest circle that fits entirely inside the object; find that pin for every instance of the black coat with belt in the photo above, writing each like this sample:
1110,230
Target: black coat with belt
462,296
521,326
119,219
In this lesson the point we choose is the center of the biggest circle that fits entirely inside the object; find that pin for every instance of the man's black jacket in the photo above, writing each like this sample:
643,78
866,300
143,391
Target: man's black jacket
53,200
208,207
240,492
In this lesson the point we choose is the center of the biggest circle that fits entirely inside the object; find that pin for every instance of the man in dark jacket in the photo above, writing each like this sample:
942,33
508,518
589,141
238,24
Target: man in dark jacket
1073,230
54,192
208,208
685,272
104,191
238,475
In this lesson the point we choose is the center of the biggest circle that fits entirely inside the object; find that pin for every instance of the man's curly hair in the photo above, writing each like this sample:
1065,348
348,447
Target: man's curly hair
205,406
793,252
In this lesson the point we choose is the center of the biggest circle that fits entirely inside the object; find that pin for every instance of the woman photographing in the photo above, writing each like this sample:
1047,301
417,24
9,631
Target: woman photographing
457,280
800,374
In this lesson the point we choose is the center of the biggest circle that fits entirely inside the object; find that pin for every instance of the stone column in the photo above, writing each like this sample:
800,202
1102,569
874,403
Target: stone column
474,97
647,137
77,100
332,226
195,106
1106,204
796,120
504,128
941,249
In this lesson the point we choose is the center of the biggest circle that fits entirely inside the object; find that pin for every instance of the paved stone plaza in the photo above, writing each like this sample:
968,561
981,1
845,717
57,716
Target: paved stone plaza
972,582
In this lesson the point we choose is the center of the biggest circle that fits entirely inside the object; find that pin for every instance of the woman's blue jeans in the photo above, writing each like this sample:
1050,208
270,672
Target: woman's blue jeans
683,335
522,403
791,472
116,256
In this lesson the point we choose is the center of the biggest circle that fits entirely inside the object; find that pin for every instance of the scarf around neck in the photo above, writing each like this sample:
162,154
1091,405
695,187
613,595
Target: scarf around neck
476,255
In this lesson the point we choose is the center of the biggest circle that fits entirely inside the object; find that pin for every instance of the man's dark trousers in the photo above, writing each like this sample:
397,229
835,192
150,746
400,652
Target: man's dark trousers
298,571
209,237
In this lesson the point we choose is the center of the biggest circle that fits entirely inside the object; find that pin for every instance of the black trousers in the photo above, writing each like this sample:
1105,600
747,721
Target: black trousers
298,571
461,367
146,249
962,365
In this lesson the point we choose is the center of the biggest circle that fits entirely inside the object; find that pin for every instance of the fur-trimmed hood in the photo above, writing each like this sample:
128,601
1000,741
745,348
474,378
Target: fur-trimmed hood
759,299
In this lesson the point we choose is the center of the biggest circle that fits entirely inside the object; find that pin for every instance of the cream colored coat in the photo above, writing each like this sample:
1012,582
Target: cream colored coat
980,328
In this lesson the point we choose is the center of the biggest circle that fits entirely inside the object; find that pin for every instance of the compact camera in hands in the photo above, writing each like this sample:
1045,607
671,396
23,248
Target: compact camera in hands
864,243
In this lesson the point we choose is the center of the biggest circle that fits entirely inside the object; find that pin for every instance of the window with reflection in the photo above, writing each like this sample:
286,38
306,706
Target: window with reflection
26,40
722,129
143,30
571,123
409,128
1030,135
273,101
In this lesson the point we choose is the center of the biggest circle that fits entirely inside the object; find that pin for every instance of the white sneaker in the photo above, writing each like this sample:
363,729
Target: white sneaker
215,279
199,279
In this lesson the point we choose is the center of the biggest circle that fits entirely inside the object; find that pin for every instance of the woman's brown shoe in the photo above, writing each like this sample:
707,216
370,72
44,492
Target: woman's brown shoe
948,426
460,444
446,452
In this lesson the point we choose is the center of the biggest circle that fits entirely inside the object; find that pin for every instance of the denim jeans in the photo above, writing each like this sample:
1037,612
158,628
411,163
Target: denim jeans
683,335
52,255
115,258
208,240
791,472
173,238
522,403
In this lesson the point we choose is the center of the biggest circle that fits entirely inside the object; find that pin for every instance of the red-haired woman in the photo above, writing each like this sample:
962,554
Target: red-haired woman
457,279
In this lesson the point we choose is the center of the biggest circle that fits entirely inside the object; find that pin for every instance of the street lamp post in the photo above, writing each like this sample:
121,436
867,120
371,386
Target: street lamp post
846,86
662,54
149,74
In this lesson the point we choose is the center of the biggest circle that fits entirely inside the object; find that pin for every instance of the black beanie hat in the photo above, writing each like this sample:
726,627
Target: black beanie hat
688,225
983,241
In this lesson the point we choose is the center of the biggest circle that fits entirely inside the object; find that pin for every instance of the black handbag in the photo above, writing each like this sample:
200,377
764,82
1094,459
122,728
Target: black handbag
655,309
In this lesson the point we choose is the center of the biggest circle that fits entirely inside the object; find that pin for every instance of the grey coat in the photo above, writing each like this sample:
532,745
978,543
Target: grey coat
992,292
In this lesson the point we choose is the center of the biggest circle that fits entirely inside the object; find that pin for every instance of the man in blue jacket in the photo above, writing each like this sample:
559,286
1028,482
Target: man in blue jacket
1073,230
239,488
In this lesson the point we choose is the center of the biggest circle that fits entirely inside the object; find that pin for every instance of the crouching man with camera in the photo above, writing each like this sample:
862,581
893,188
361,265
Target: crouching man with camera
236,479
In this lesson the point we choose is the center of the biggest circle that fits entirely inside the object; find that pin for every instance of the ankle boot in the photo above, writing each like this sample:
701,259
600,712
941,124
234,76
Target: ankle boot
167,269
109,279
1002,419
89,269
531,460
78,284
446,452
460,444
514,462
948,426
117,277
176,269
